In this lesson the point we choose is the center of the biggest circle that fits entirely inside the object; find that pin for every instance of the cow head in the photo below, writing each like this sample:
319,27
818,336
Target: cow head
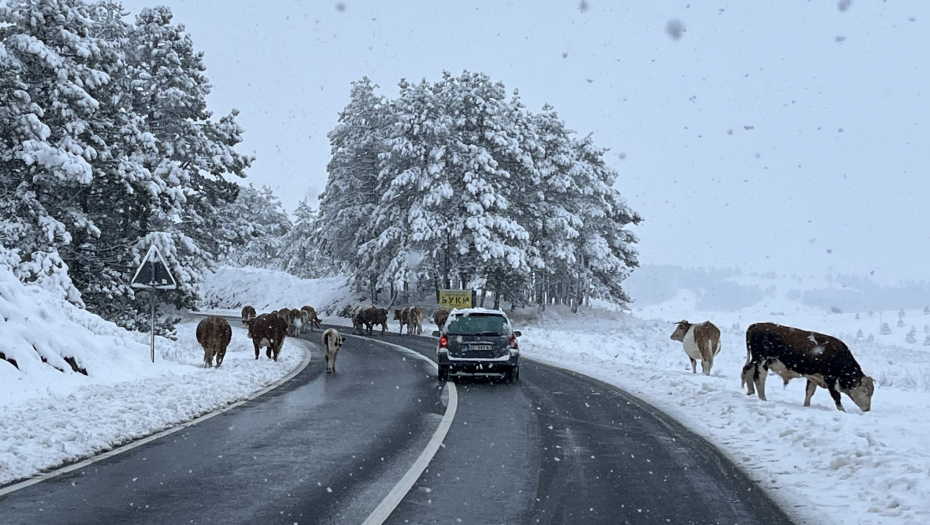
680,331
860,391
397,315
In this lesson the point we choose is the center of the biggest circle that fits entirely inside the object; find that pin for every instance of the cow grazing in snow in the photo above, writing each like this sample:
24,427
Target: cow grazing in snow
248,313
213,334
332,343
268,330
701,342
310,317
823,360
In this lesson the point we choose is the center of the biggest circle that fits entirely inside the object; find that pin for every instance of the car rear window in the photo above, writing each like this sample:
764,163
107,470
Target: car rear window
477,324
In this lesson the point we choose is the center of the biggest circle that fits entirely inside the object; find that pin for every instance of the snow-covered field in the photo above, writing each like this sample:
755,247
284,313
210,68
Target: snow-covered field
822,465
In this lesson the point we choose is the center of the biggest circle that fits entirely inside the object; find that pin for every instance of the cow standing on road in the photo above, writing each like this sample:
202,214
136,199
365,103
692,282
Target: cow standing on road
332,343
701,342
213,334
823,360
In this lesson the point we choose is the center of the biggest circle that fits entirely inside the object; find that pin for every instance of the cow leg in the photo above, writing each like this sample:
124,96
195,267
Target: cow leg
759,379
706,364
219,357
834,393
809,392
747,374
258,349
693,365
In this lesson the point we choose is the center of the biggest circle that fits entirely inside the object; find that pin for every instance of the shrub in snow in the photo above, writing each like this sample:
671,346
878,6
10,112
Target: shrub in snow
927,341
859,335
900,323
885,329
911,336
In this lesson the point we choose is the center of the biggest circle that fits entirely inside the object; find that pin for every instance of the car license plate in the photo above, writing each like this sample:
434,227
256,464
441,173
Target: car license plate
479,347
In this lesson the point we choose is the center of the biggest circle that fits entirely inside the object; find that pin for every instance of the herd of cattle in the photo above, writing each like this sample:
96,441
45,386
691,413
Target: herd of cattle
823,360
791,353
269,330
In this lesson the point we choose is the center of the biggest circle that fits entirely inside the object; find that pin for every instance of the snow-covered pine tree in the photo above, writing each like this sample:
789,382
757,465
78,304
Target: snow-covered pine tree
605,245
300,257
449,180
258,217
911,336
352,189
194,152
550,205
54,72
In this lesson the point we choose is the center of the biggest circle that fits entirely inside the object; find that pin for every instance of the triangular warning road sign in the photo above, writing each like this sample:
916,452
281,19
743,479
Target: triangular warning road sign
154,273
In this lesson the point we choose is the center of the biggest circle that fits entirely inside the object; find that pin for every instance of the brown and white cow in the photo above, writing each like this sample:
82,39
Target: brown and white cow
213,334
332,343
823,360
294,321
310,317
415,317
403,318
701,342
248,313
268,330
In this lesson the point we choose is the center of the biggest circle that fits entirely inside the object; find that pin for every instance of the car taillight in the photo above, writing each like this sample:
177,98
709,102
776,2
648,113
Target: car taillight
513,342
444,341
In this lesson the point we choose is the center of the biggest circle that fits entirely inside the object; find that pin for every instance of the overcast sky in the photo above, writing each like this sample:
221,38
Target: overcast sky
785,135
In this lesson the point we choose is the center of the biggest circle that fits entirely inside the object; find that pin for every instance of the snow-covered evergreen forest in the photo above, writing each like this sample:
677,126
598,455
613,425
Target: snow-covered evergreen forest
107,146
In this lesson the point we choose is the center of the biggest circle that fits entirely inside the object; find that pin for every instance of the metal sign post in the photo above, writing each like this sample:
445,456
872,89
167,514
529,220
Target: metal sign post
153,274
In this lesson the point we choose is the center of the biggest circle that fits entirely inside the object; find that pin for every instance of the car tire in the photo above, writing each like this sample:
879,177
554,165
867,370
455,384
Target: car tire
513,375
443,373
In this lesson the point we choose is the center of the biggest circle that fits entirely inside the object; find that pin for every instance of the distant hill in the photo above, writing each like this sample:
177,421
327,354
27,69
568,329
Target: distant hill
730,289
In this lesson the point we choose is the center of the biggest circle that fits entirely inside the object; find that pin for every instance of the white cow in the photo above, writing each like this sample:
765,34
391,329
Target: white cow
701,342
332,343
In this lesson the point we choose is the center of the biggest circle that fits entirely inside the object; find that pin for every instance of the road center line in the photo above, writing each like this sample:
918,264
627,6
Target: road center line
393,499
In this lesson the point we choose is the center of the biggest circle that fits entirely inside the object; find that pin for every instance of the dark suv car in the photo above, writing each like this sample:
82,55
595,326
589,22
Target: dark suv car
478,341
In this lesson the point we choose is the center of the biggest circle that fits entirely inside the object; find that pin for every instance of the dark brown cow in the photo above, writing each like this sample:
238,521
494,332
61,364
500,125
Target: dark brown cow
332,343
701,342
823,360
354,312
310,317
248,313
441,315
213,334
370,317
268,330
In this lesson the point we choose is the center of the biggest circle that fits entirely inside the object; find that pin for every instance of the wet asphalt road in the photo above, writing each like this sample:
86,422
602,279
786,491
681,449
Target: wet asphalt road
308,452
553,448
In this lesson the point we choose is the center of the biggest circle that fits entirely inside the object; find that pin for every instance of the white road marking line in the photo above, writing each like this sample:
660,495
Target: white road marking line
119,450
393,499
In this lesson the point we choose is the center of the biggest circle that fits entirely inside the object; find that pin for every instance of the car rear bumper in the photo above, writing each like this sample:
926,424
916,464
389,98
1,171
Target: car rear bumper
499,365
